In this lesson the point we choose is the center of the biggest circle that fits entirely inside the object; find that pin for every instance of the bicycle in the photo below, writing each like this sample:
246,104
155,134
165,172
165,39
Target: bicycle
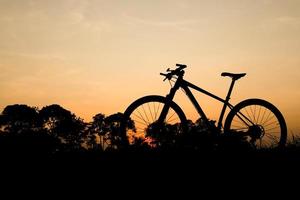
259,121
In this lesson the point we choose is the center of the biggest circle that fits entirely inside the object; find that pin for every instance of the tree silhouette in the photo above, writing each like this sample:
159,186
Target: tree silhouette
64,125
22,131
54,129
94,134
18,119
108,131
113,127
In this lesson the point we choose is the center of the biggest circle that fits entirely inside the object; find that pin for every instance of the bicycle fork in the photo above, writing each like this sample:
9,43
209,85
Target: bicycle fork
169,99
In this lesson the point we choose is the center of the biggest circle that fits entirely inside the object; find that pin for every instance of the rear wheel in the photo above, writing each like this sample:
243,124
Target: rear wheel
261,122
145,129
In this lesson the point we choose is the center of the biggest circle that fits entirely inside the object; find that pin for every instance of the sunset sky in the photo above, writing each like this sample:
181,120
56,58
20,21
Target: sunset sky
96,56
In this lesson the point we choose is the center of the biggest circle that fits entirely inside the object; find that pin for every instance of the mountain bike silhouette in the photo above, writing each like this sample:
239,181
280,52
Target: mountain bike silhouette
260,122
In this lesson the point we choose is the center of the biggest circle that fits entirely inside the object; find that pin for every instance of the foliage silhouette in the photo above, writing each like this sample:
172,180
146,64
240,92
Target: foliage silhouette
19,119
94,134
54,131
61,131
22,132
64,125
105,132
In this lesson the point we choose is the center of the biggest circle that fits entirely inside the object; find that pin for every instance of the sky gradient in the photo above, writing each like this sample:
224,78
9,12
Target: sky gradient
98,56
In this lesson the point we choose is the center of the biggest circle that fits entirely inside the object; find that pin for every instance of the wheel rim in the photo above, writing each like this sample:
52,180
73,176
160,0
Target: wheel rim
146,128
259,124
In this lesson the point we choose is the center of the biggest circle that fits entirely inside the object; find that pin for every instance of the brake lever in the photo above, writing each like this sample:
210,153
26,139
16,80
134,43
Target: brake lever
168,76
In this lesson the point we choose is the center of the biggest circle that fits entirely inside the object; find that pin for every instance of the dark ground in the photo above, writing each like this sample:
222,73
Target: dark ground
152,174
155,161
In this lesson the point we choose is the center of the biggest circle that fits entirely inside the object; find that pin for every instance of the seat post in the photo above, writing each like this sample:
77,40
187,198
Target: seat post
230,90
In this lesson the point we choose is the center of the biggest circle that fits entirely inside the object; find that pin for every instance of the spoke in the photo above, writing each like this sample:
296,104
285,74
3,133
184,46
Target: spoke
154,115
154,111
150,112
252,113
243,118
269,119
272,137
145,114
248,114
262,118
240,126
277,133
141,117
171,116
172,120
239,121
139,134
274,122
142,129
136,121
157,110
258,114
236,125
255,114
272,128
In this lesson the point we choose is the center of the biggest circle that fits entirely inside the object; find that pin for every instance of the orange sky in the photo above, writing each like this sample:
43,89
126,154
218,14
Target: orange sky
98,56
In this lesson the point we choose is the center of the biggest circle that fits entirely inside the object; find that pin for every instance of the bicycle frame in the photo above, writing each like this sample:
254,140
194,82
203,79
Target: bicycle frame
185,85
252,127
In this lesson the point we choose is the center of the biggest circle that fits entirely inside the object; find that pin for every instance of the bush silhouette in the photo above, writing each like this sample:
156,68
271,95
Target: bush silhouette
52,130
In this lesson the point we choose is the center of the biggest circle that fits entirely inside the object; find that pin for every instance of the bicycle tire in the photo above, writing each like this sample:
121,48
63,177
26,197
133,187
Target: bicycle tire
261,119
143,103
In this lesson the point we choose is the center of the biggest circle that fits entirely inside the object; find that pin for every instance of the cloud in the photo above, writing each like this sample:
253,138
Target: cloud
185,25
282,23
288,20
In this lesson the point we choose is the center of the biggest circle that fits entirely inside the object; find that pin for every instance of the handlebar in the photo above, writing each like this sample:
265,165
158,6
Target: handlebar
176,72
182,66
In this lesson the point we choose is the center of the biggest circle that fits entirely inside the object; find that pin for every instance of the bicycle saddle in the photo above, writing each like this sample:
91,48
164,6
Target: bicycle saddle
234,76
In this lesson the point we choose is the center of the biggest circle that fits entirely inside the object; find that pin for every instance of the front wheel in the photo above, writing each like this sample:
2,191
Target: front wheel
145,129
261,122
